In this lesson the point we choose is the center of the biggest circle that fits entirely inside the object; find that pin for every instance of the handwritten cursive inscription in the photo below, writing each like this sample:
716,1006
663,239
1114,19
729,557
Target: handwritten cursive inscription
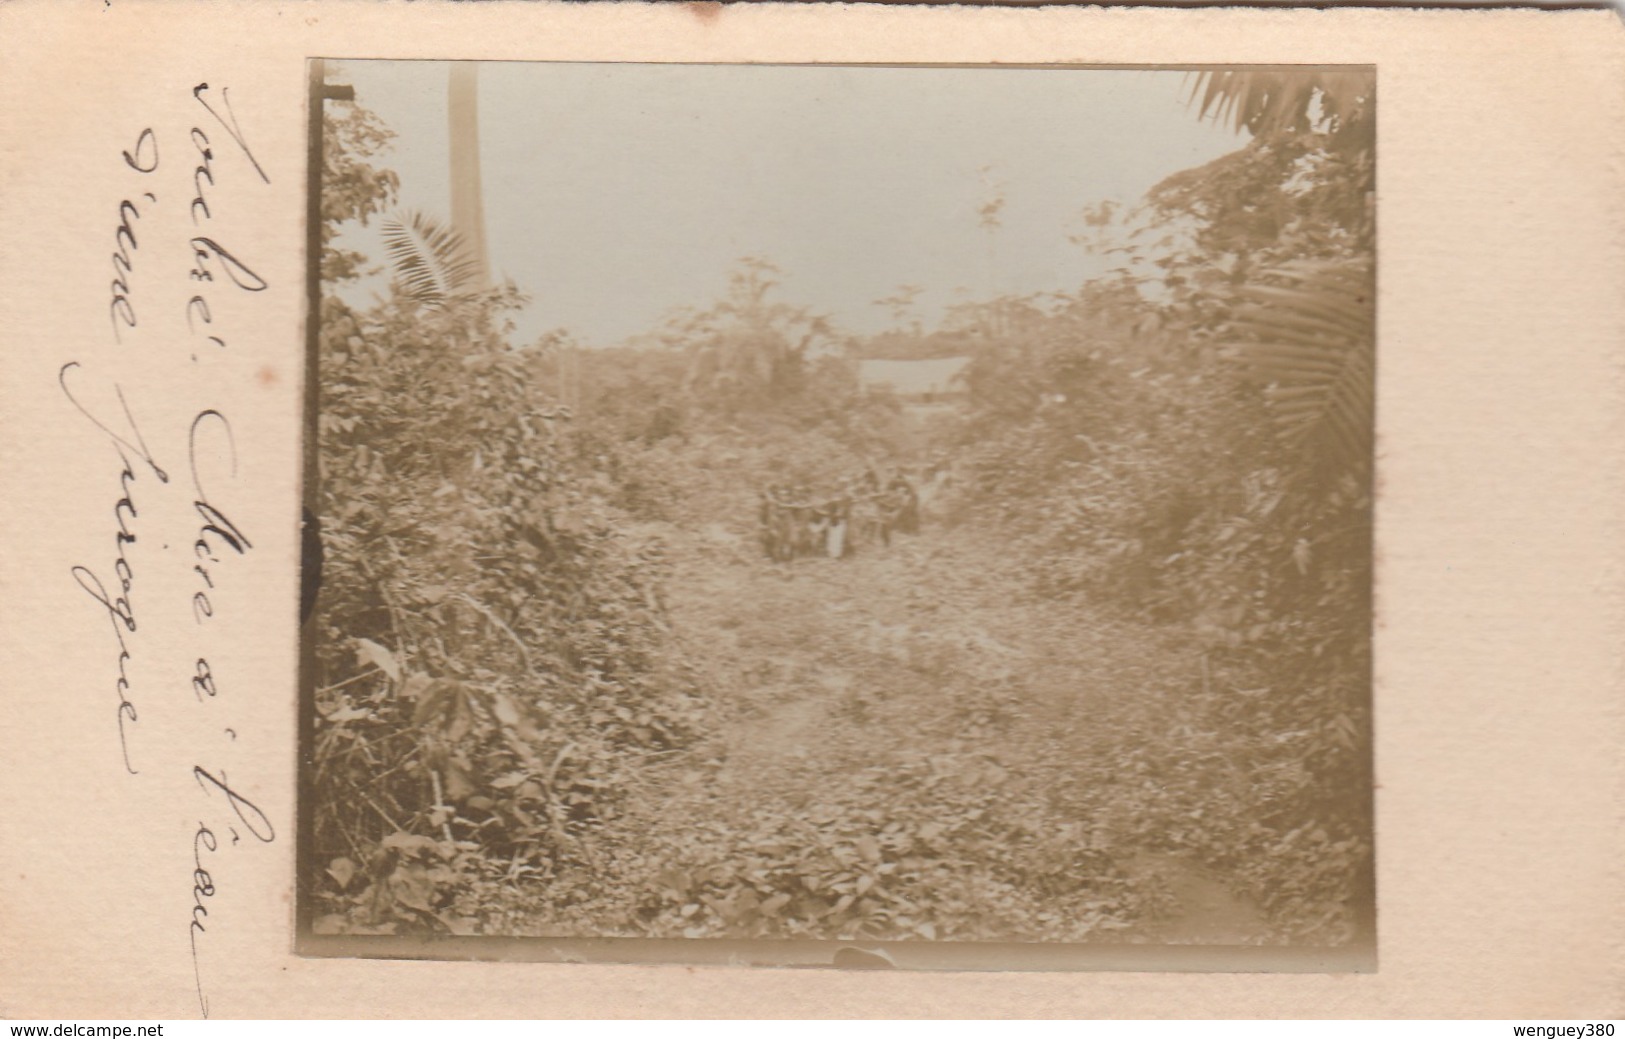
213,463
143,158
205,193
207,251
133,442
255,821
231,128
208,255
202,888
217,533
116,601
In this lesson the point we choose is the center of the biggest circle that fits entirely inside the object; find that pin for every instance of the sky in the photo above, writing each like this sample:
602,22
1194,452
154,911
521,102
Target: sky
617,193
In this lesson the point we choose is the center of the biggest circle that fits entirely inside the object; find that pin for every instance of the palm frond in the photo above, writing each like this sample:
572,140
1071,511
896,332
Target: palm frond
431,260
1310,339
1268,102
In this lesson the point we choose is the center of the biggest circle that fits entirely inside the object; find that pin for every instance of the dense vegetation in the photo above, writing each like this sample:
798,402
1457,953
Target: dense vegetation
559,691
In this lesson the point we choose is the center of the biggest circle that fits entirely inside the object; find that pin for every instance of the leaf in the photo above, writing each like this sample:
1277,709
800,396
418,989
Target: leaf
1301,556
379,657
1269,102
1311,339
413,888
506,711
342,870
458,783
410,843
414,686
869,848
431,260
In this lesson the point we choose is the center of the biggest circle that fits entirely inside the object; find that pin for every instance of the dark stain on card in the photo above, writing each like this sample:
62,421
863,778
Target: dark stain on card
707,11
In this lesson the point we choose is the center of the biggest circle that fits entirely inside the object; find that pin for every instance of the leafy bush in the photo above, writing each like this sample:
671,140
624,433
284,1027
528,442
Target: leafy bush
1194,448
491,652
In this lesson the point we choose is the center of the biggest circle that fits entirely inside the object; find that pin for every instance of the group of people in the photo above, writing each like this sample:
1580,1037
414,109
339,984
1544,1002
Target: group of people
864,510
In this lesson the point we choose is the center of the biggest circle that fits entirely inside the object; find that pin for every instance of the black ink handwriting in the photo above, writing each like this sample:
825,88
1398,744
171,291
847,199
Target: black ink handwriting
201,305
202,887
116,601
233,268
231,128
203,174
203,681
218,531
121,306
248,813
123,619
145,159
138,446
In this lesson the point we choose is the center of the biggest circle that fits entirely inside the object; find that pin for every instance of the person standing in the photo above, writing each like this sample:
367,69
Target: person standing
840,514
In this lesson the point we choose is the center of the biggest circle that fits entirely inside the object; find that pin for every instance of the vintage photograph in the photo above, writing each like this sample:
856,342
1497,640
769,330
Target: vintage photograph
890,506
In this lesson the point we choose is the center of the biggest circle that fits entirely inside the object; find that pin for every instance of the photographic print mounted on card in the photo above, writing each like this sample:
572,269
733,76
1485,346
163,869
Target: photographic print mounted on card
876,516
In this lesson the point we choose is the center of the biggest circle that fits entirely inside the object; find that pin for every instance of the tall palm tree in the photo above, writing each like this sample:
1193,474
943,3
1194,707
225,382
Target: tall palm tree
467,191
435,261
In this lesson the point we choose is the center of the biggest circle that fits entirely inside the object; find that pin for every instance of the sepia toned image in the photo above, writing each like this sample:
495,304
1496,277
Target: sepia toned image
840,514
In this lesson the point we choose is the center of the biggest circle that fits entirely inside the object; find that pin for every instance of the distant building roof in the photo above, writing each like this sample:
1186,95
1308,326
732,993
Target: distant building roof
937,376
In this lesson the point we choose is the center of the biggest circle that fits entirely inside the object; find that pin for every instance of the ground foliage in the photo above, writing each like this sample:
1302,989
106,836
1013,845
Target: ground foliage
558,690
491,647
